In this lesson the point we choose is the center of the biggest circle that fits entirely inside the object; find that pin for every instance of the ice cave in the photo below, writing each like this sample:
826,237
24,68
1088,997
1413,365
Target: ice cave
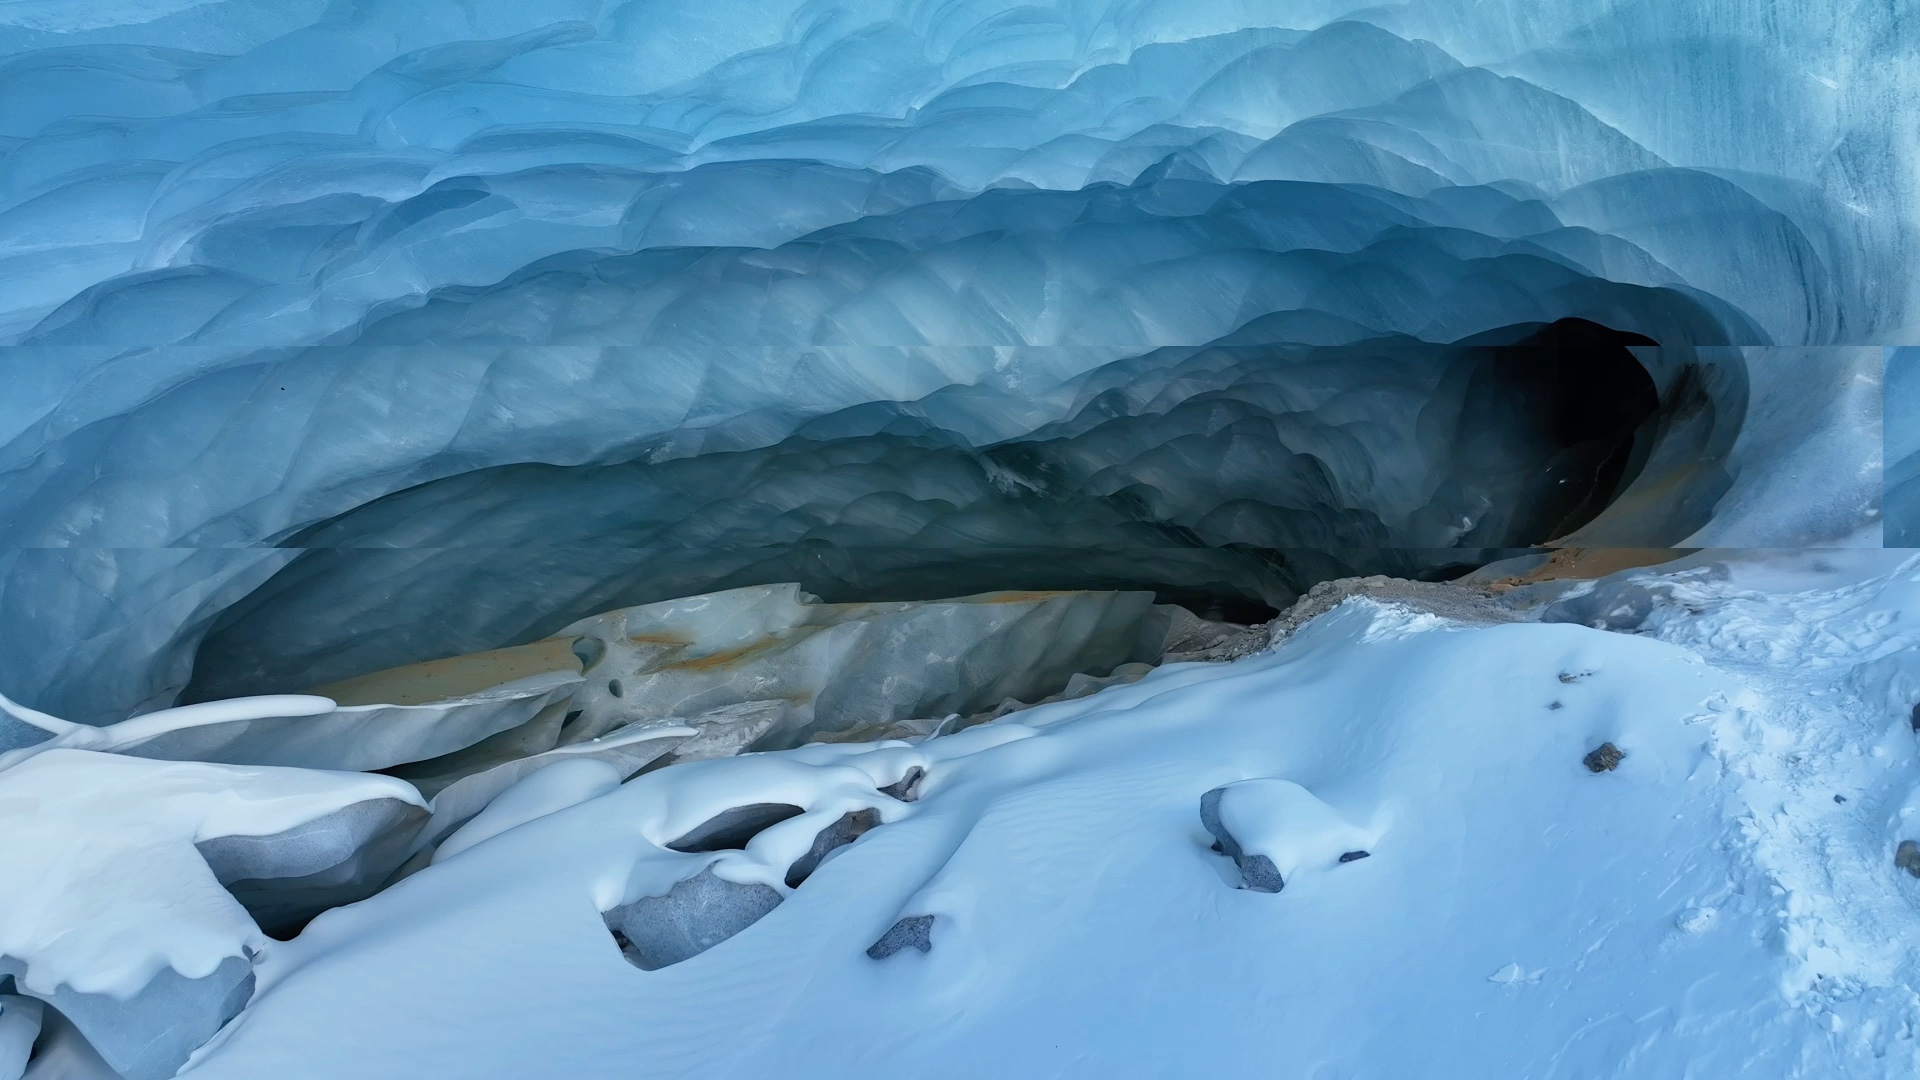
959,538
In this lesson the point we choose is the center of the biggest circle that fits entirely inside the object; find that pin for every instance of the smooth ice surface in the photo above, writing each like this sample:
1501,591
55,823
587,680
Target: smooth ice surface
148,1035
63,1054
304,729
285,878
1517,915
19,1027
813,668
845,666
1810,464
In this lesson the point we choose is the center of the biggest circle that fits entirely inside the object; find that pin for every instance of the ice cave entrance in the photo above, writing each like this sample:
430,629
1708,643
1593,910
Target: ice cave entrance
1226,479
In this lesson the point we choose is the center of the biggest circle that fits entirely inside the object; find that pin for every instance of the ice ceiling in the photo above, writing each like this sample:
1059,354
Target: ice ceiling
344,335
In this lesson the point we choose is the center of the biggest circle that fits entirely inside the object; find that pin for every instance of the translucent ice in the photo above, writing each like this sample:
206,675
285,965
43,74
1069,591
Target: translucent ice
266,264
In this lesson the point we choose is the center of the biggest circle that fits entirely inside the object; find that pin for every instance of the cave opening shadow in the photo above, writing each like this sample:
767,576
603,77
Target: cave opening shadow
1226,479
1564,417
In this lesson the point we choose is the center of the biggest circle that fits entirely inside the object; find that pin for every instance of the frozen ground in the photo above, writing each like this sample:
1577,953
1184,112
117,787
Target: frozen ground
1723,902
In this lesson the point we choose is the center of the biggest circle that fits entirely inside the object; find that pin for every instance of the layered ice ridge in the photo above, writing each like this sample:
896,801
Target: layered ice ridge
267,264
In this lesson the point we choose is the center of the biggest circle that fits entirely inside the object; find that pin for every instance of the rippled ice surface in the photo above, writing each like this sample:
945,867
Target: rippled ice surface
267,263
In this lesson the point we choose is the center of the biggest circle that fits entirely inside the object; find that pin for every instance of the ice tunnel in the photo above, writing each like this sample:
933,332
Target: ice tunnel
1226,478
328,355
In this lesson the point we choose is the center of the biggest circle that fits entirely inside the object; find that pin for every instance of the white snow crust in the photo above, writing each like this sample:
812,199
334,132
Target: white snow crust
103,887
1709,907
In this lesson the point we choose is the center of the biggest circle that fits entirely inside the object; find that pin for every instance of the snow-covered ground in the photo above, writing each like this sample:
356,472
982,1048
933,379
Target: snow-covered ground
1723,902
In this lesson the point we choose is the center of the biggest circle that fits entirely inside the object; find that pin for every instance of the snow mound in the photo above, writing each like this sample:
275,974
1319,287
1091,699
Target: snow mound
1274,828
113,910
1507,894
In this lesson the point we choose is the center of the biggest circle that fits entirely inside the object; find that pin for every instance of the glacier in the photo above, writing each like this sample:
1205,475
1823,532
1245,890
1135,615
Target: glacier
269,264
518,436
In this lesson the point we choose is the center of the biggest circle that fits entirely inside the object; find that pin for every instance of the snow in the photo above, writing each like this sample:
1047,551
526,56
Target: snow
304,730
1707,906
104,887
546,791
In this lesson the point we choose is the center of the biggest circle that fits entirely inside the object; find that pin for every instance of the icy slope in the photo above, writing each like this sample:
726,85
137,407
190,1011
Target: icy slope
1722,901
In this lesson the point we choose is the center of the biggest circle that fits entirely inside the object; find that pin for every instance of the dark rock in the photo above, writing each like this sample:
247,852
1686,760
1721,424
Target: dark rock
1914,718
1839,798
851,826
1555,706
1257,872
733,828
1603,758
1354,856
1907,857
907,788
694,916
914,931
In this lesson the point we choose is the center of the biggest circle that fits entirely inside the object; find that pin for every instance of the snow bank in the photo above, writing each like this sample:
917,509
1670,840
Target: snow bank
111,910
1516,914
103,822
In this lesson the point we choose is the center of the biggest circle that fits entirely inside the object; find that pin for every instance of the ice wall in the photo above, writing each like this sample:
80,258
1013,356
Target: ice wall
1902,447
267,264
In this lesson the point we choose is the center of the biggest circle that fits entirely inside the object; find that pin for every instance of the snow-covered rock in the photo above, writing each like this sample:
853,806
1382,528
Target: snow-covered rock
113,910
350,354
1273,828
